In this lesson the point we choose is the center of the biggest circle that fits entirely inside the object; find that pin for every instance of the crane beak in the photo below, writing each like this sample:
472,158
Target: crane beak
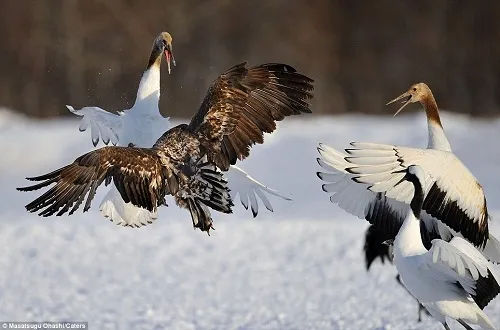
406,97
388,242
405,177
169,56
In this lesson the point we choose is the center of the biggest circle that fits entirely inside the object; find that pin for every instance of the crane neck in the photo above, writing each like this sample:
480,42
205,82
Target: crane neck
437,137
408,241
148,93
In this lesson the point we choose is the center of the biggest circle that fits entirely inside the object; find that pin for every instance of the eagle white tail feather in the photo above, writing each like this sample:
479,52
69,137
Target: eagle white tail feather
124,214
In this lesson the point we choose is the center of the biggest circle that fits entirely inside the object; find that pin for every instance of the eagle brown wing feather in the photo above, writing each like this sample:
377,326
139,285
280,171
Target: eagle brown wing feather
136,172
244,103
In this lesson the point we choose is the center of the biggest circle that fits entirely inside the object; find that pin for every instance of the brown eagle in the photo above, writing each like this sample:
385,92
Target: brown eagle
186,161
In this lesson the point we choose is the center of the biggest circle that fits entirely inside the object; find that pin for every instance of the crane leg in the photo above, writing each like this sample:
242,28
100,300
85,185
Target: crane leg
465,325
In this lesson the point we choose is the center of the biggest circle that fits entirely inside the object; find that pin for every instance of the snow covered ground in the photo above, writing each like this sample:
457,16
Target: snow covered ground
300,267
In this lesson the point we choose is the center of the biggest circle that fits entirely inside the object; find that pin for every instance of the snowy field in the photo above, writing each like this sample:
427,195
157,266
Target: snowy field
300,267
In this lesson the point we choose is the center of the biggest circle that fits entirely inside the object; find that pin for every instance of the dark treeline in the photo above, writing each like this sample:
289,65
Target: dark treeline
361,53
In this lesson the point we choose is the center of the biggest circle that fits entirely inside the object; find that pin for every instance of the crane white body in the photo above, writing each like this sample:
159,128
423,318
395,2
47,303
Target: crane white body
444,278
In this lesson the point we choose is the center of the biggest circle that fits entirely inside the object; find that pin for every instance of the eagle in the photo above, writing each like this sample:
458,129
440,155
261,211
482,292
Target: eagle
188,160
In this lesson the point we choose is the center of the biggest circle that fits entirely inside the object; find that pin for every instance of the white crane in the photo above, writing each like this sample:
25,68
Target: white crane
453,195
451,279
141,126
375,247
363,180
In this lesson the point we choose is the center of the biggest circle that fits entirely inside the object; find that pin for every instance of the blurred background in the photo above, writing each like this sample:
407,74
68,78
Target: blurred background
361,53
299,267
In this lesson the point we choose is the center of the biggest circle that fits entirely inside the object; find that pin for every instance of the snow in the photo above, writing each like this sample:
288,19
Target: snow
300,267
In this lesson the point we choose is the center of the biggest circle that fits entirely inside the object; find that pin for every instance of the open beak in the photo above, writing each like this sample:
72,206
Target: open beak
388,242
406,97
169,56
404,170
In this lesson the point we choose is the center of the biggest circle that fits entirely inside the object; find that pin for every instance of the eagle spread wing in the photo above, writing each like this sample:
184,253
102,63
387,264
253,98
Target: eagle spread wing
244,103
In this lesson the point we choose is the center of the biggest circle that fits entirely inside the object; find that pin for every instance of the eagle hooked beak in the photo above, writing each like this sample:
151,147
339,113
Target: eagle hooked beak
406,100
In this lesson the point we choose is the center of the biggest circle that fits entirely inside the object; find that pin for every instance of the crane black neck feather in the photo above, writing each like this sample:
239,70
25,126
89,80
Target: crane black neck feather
418,197
155,56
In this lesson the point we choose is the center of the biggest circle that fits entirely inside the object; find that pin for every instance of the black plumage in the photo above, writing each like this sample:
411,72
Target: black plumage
439,205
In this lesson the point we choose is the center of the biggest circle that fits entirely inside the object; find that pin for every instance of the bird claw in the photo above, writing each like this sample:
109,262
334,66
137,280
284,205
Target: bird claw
210,227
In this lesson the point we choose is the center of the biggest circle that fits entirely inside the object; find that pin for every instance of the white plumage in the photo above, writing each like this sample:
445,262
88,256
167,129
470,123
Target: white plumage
141,126
446,279
369,174
248,189
376,163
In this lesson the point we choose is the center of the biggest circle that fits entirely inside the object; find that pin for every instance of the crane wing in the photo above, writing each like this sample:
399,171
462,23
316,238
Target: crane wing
386,214
249,190
104,125
452,194
459,261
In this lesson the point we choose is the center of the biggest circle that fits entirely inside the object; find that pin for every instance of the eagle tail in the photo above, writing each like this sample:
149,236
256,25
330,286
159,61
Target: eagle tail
205,189
200,215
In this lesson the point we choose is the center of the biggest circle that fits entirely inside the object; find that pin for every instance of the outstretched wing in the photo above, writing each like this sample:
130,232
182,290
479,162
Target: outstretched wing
249,190
386,214
244,103
459,261
358,193
137,174
103,124
452,193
